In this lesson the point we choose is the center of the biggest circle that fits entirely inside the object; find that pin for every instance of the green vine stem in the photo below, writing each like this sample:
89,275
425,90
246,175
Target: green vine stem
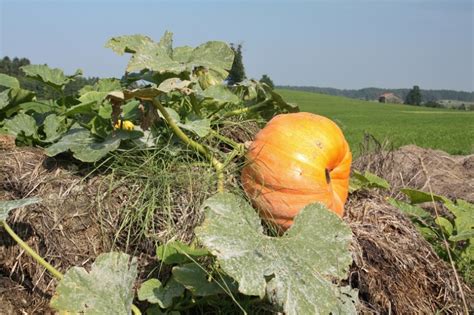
32,253
236,146
245,110
218,166
136,310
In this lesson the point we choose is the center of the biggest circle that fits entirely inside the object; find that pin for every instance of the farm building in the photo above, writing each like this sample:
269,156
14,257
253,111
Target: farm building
390,98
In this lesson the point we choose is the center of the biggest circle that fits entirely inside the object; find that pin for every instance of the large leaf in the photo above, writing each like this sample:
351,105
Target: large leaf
52,77
92,96
8,81
194,278
360,181
7,206
53,127
155,292
200,127
413,211
182,54
128,43
37,107
106,289
418,196
220,94
464,221
179,253
4,98
10,98
21,124
161,58
83,108
147,55
103,85
295,271
87,148
214,55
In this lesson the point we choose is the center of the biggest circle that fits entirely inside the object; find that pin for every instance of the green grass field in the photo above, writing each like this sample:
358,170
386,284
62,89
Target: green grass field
448,130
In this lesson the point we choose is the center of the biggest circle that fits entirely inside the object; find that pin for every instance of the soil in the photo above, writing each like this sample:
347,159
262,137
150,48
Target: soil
394,268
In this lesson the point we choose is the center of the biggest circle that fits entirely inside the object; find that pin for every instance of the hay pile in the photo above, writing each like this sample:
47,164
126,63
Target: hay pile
64,228
415,167
394,268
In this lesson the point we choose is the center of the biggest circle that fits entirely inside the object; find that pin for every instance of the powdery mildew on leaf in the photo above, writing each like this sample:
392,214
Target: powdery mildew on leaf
106,289
295,271
7,206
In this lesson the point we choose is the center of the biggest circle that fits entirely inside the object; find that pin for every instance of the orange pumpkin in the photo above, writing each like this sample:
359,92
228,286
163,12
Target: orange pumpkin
297,159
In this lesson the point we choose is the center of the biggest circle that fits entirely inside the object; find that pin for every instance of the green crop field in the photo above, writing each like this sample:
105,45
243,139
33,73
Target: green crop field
448,130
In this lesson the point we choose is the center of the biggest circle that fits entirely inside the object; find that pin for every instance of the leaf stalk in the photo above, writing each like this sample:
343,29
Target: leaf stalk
32,252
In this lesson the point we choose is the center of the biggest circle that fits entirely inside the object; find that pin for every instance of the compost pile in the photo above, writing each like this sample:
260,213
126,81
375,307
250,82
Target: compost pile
394,269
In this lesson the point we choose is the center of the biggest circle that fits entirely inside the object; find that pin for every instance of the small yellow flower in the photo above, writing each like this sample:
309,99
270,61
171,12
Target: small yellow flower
125,125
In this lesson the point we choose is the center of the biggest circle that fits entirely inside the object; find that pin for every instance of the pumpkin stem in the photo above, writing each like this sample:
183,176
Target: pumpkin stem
328,176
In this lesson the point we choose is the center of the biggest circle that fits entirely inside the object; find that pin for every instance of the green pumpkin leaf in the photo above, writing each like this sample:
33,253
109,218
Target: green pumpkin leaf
86,147
8,81
464,219
178,253
200,127
10,99
155,292
214,55
194,278
83,108
182,54
360,181
37,107
130,110
53,127
128,43
295,271
220,94
413,211
52,77
106,289
103,85
154,57
93,96
418,196
7,206
4,99
445,225
21,124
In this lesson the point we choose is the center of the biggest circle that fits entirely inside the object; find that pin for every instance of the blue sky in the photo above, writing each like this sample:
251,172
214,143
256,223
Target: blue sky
341,44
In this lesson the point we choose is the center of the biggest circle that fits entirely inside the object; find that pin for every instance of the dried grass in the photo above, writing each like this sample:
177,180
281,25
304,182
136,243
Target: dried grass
394,268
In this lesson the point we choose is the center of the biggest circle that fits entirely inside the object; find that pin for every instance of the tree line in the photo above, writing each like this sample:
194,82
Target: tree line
372,93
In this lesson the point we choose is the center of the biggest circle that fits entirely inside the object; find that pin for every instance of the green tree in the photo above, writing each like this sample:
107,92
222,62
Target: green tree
414,96
266,79
237,72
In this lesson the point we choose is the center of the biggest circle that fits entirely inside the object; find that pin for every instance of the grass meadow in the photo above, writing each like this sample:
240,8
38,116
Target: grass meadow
444,129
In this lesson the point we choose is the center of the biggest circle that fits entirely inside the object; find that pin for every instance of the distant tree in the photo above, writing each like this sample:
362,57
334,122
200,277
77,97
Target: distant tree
237,72
414,96
266,79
